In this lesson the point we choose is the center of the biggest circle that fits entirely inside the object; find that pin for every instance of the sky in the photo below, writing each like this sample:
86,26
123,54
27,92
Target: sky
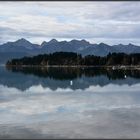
108,22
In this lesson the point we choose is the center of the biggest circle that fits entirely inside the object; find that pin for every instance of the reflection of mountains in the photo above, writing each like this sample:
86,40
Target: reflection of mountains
54,78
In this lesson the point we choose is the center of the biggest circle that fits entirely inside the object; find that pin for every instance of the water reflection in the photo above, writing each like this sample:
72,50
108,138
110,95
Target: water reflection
99,103
54,78
69,73
94,112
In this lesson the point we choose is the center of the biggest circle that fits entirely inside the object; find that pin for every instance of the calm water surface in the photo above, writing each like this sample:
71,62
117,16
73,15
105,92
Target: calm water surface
69,103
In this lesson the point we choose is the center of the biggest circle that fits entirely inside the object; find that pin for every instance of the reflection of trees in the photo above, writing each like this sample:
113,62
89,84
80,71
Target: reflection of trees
68,73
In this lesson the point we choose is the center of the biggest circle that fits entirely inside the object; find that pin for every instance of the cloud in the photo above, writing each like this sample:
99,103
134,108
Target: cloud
68,20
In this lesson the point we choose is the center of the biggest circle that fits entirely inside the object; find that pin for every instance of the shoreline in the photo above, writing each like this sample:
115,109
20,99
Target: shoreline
76,66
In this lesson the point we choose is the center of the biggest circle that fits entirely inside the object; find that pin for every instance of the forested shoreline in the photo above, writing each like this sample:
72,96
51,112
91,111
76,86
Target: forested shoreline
74,59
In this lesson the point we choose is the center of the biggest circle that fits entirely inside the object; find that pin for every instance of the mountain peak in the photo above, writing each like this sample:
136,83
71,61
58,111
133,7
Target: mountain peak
23,43
103,44
79,41
130,44
53,41
84,41
120,44
74,40
43,43
22,40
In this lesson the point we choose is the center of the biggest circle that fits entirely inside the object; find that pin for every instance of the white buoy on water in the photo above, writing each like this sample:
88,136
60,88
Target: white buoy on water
125,76
71,83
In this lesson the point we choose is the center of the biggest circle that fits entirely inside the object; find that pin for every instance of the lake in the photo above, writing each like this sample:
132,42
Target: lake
69,103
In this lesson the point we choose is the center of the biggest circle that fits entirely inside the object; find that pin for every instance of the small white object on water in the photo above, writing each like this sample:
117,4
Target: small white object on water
125,76
71,83
113,68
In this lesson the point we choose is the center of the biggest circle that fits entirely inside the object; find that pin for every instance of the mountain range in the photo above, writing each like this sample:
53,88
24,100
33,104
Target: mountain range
23,47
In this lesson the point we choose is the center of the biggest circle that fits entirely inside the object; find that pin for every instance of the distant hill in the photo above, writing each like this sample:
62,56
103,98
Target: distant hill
23,47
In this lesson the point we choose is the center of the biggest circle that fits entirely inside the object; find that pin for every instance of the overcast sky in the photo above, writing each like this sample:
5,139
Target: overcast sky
108,22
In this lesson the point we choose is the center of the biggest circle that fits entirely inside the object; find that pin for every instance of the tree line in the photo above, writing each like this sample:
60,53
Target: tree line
74,59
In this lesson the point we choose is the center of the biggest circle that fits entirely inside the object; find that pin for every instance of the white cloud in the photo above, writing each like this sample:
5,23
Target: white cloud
68,20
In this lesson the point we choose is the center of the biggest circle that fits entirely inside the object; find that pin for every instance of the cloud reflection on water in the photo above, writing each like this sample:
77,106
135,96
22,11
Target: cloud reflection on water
110,111
38,100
